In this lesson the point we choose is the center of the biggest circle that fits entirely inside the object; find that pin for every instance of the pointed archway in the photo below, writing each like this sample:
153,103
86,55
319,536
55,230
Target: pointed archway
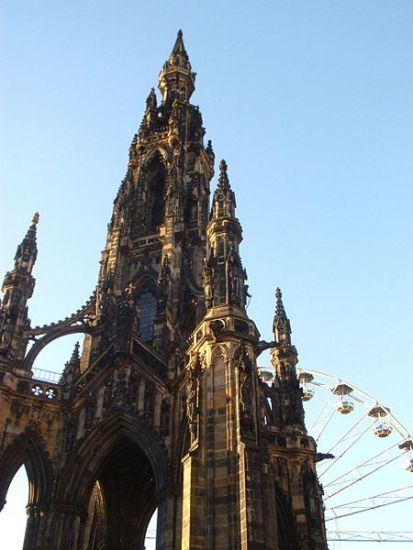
27,449
127,485
13,517
118,487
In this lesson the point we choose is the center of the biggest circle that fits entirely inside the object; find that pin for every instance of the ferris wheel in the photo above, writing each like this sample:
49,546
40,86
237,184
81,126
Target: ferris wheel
367,472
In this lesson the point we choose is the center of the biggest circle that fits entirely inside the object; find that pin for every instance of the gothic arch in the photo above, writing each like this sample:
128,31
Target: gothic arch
124,455
82,470
153,153
28,450
47,339
145,280
220,353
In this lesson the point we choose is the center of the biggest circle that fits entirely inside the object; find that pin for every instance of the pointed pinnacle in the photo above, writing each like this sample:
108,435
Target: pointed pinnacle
151,99
75,354
209,148
223,176
281,324
179,45
30,237
280,311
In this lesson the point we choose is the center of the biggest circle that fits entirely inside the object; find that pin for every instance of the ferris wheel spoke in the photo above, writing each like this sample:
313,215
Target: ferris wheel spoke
322,419
363,470
370,503
350,439
347,435
369,536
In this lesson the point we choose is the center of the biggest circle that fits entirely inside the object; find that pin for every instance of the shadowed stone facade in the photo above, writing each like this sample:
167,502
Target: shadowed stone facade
163,407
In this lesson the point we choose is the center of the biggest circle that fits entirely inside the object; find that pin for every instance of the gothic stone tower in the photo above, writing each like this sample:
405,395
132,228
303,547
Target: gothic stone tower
164,407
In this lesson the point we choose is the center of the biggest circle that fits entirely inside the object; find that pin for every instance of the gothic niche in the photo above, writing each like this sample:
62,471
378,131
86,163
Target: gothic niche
191,211
155,191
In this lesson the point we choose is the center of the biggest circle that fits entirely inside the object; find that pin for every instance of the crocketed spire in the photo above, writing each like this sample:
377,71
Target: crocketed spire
26,252
281,324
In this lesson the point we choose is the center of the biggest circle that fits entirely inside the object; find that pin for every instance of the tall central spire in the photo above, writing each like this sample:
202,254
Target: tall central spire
176,79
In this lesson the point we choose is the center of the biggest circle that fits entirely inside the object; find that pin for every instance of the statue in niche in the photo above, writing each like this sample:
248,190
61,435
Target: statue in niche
233,277
149,399
127,304
245,390
208,284
90,413
192,403
163,279
107,394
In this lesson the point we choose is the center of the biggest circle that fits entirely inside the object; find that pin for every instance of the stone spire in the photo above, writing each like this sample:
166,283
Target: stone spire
151,102
223,204
281,325
176,79
18,287
224,276
161,211
72,369
26,252
150,117
284,354
284,359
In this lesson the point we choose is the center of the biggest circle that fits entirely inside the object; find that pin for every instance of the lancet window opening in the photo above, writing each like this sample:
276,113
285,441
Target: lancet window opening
147,308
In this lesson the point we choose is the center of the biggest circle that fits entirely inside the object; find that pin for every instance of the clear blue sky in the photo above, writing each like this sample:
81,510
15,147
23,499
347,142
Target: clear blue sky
310,103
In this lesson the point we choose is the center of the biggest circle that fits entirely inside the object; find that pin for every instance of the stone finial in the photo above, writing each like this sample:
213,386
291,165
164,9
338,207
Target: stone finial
151,102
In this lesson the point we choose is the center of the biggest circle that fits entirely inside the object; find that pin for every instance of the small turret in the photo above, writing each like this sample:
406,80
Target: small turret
71,371
176,79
